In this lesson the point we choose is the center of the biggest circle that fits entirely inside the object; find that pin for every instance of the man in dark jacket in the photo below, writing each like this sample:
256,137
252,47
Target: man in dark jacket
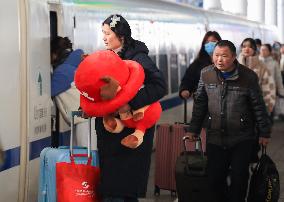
230,94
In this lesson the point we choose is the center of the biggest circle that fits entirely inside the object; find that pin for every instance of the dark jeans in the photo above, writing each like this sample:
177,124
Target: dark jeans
114,199
220,160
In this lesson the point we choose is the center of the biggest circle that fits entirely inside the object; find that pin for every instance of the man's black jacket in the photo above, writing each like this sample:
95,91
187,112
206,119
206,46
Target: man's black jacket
235,106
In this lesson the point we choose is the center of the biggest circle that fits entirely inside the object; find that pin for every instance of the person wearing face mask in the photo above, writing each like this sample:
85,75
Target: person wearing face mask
190,79
249,58
125,171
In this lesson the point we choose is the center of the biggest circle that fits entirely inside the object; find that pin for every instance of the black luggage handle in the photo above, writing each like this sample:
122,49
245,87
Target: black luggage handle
263,150
79,113
194,170
185,111
197,141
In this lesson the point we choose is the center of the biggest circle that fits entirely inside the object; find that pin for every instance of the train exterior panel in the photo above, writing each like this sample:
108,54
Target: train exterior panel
10,108
173,33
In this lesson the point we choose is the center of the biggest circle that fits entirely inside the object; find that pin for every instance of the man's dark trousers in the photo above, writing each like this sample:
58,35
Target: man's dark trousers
220,160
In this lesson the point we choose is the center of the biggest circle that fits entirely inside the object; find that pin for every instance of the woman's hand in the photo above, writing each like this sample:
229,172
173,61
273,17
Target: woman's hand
125,108
185,94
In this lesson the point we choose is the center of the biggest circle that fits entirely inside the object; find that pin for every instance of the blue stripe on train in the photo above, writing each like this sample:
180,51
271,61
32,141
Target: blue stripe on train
12,156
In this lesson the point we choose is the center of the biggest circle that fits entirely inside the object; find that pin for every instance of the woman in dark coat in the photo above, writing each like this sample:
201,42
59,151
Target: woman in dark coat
190,79
125,171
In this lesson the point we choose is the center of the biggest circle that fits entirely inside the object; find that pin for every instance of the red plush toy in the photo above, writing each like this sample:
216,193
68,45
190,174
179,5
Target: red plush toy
106,83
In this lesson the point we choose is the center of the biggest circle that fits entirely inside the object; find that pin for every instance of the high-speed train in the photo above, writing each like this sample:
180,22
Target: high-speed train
172,32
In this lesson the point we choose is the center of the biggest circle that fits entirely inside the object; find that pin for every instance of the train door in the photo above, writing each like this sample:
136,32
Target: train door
54,21
57,28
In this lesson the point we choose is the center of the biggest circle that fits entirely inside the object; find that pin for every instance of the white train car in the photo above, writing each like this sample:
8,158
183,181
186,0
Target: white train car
172,32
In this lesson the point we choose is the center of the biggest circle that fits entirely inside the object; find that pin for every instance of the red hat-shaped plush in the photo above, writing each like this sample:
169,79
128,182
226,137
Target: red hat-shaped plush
89,80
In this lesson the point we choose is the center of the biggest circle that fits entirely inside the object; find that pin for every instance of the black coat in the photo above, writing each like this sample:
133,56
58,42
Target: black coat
191,77
124,171
235,106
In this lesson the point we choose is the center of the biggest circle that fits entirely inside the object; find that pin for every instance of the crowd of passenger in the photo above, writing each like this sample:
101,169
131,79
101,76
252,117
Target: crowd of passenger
235,93
266,60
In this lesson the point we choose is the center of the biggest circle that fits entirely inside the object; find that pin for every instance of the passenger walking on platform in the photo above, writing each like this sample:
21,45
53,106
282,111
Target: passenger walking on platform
191,77
125,171
65,61
276,54
229,92
249,58
273,66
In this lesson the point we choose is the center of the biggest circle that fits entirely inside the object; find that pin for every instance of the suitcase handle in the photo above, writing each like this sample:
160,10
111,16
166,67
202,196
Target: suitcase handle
198,143
79,114
185,111
80,155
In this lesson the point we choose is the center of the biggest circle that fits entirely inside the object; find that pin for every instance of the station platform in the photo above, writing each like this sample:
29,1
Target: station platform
275,150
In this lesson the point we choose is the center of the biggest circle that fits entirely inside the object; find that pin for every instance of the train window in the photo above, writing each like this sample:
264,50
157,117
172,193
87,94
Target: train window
53,24
153,58
163,66
182,65
174,73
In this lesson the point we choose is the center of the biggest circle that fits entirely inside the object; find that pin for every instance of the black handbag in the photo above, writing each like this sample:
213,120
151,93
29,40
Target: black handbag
264,183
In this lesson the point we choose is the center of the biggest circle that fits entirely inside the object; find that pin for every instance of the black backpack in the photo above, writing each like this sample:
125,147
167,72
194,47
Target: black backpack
264,183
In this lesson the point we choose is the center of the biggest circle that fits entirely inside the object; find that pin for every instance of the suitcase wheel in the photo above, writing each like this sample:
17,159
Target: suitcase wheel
157,191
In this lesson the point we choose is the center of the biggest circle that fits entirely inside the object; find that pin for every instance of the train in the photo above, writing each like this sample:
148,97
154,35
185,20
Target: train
172,31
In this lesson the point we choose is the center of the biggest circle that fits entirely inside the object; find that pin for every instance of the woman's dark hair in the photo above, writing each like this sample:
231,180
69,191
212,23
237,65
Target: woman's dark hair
122,30
268,46
202,53
61,47
258,42
251,42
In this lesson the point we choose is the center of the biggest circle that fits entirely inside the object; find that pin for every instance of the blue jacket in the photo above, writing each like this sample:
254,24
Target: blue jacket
63,75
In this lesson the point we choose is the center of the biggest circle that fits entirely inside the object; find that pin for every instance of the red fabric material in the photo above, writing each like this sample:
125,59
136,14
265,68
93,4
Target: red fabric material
151,116
129,74
77,182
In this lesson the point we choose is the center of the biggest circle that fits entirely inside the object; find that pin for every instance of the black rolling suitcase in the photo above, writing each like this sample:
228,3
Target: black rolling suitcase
191,175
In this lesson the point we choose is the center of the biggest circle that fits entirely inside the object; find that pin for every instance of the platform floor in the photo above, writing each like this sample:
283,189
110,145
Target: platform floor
275,151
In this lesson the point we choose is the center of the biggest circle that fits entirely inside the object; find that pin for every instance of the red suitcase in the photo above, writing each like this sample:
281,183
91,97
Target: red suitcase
169,145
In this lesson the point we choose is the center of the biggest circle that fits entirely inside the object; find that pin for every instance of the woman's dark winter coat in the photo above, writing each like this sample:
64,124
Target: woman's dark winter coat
124,171
191,77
